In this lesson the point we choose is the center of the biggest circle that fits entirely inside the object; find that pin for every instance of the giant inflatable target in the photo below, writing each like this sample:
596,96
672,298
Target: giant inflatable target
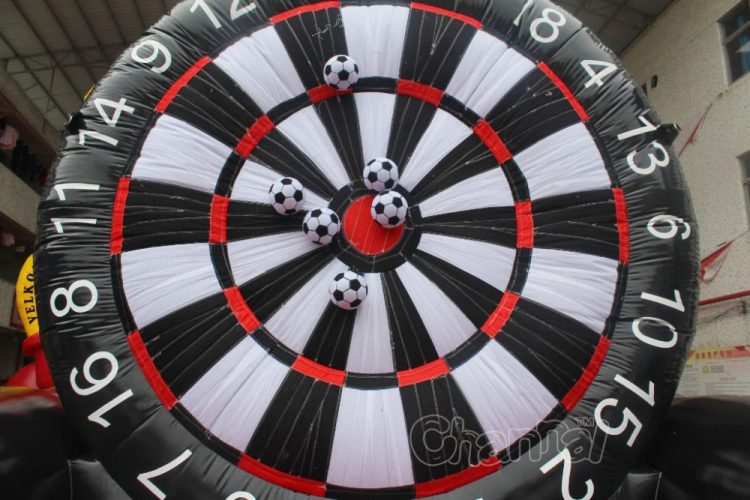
363,249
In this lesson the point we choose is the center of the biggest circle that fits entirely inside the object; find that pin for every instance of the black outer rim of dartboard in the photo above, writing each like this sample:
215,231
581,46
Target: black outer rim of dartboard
145,435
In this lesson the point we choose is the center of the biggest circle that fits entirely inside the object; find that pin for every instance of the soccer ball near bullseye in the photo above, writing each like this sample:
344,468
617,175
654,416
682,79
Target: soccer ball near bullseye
348,290
321,225
380,174
389,209
286,196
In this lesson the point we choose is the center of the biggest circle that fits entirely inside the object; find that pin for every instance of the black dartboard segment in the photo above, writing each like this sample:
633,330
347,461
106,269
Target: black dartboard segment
542,284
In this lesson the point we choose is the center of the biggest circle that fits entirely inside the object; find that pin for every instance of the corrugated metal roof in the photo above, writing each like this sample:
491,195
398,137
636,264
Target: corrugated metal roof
617,22
57,49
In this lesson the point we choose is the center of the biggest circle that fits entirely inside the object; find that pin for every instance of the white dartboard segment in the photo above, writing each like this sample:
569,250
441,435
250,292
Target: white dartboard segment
507,399
375,112
295,321
579,285
375,38
262,67
489,262
161,280
306,131
370,350
175,152
370,443
254,181
486,190
566,162
447,326
252,257
441,137
487,72
232,397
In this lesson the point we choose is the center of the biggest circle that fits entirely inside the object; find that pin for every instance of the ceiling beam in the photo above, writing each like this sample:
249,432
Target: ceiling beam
63,71
629,8
68,38
86,21
85,57
49,96
115,22
140,15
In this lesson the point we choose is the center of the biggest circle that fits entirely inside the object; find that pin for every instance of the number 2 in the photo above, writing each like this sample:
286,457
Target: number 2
566,459
146,477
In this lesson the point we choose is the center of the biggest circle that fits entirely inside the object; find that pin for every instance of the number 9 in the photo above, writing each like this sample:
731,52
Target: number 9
157,48
96,384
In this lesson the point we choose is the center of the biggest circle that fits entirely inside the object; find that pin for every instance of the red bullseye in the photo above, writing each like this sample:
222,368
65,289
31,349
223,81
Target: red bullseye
366,235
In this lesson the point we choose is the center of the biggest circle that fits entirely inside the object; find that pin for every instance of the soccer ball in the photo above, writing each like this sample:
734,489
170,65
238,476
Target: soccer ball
348,290
286,196
321,225
381,174
341,72
389,209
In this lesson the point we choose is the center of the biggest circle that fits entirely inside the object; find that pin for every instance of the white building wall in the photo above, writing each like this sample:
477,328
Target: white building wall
684,49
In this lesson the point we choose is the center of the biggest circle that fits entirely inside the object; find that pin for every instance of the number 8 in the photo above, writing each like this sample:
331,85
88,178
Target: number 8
545,19
70,305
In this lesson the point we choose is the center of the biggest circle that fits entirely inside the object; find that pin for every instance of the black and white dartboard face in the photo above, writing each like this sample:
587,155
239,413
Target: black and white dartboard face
234,311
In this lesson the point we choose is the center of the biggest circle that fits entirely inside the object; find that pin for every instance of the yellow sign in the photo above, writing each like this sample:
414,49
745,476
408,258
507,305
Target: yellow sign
26,298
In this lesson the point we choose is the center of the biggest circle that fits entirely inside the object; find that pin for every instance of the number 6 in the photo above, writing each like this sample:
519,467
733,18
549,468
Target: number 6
96,384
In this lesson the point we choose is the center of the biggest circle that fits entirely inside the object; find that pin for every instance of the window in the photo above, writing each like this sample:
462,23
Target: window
736,26
745,163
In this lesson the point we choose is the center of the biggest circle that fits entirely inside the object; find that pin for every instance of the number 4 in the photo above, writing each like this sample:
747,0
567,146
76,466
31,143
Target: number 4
119,108
236,11
597,78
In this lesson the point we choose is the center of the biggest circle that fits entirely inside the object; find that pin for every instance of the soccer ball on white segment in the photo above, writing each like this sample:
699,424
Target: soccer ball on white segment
341,72
389,209
380,174
286,196
321,225
348,289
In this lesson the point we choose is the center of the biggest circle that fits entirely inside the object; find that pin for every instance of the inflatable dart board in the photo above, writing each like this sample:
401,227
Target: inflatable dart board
365,249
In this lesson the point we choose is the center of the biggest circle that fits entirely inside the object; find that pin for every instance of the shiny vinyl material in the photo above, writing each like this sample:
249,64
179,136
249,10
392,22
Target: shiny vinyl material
521,333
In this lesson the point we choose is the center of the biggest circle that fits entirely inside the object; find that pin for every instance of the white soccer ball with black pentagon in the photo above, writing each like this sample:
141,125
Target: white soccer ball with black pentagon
286,196
348,290
380,174
389,209
341,72
321,225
